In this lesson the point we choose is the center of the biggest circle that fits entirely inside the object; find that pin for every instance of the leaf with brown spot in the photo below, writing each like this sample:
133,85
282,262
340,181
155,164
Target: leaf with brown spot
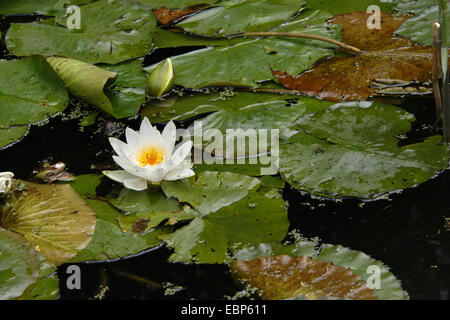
54,218
283,277
400,66
166,16
140,225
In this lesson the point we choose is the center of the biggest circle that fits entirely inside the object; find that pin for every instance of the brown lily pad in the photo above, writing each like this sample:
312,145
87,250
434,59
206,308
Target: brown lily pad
388,64
166,16
283,277
54,218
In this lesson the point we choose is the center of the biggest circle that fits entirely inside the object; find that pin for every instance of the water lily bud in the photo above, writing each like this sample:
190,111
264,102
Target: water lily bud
6,179
161,79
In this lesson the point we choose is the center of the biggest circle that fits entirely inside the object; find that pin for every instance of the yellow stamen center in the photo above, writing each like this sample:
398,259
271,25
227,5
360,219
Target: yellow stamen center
150,155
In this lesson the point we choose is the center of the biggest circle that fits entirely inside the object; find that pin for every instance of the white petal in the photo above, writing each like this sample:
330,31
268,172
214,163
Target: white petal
137,184
169,136
148,130
118,175
180,154
119,147
125,164
156,175
179,173
186,163
134,139
6,175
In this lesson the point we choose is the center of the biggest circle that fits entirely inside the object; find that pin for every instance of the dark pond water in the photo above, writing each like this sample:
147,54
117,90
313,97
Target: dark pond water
406,232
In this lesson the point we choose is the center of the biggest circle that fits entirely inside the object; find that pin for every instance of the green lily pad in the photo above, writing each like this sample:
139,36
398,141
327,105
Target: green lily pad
54,218
153,201
43,7
127,92
142,222
84,80
109,241
45,289
190,105
346,6
254,170
252,60
175,4
111,32
11,135
258,111
203,194
173,39
47,285
118,90
420,27
232,17
357,262
19,265
28,6
30,91
351,150
259,216
147,209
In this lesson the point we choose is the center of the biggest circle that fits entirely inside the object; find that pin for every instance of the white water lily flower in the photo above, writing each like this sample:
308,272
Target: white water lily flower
149,156
6,179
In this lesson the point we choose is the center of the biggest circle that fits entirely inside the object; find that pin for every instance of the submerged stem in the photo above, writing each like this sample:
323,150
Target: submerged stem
302,35
445,97
437,70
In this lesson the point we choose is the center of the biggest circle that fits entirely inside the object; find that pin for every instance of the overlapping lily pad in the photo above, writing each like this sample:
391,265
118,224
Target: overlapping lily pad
347,6
147,209
251,61
232,17
284,277
175,4
420,27
190,105
42,7
127,92
11,135
19,265
281,272
53,218
259,216
388,65
109,241
203,193
28,6
30,91
84,80
47,285
175,38
351,150
111,32
253,111
118,90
